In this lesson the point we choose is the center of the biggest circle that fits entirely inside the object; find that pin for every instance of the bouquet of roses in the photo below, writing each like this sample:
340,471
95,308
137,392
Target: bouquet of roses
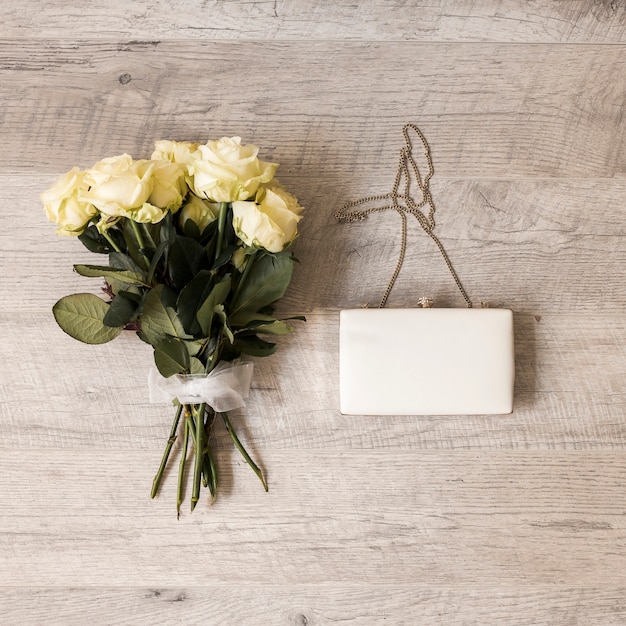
197,244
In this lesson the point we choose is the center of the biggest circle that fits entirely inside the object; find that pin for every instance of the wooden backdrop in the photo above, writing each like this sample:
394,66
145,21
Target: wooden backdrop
517,519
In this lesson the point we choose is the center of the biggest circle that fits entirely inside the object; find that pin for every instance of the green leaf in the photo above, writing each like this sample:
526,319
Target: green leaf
159,320
196,366
122,309
158,253
95,271
171,357
254,346
263,323
221,314
277,327
167,232
81,316
267,282
191,230
225,256
151,234
217,296
121,261
142,337
190,299
95,242
186,258
193,347
208,239
230,236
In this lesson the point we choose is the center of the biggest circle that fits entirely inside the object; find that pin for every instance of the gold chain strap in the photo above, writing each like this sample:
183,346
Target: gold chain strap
410,206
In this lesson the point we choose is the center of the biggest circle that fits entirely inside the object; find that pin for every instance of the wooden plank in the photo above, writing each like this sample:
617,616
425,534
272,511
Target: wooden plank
485,20
489,110
560,254
297,605
57,393
537,230
83,518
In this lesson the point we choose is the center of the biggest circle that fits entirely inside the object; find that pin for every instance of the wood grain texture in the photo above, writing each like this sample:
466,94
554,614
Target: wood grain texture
515,519
442,518
439,20
316,605
489,110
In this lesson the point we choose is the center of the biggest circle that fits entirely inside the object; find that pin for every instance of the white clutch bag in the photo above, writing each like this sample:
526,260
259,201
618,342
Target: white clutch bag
426,361
423,361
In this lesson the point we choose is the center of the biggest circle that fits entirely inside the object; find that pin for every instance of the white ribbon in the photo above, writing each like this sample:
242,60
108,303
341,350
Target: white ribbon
224,389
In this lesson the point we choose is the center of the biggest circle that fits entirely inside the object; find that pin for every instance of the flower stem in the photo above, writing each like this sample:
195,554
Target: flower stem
206,467
140,242
181,468
210,469
210,473
146,232
244,276
200,453
138,235
214,359
221,222
111,242
242,450
170,442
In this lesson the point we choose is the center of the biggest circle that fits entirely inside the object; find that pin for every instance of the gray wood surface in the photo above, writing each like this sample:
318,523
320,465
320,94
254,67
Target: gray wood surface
553,21
515,519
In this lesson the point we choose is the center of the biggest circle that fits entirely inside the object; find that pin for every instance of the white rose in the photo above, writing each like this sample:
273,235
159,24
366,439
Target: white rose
173,151
199,211
121,187
62,205
226,171
168,185
272,224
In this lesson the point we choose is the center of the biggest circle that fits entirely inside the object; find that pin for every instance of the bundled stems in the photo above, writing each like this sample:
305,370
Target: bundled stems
205,471
195,427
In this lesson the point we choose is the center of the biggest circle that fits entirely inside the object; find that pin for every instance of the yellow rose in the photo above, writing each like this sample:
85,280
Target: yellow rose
226,171
121,187
273,223
199,211
173,151
168,185
62,205
118,184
